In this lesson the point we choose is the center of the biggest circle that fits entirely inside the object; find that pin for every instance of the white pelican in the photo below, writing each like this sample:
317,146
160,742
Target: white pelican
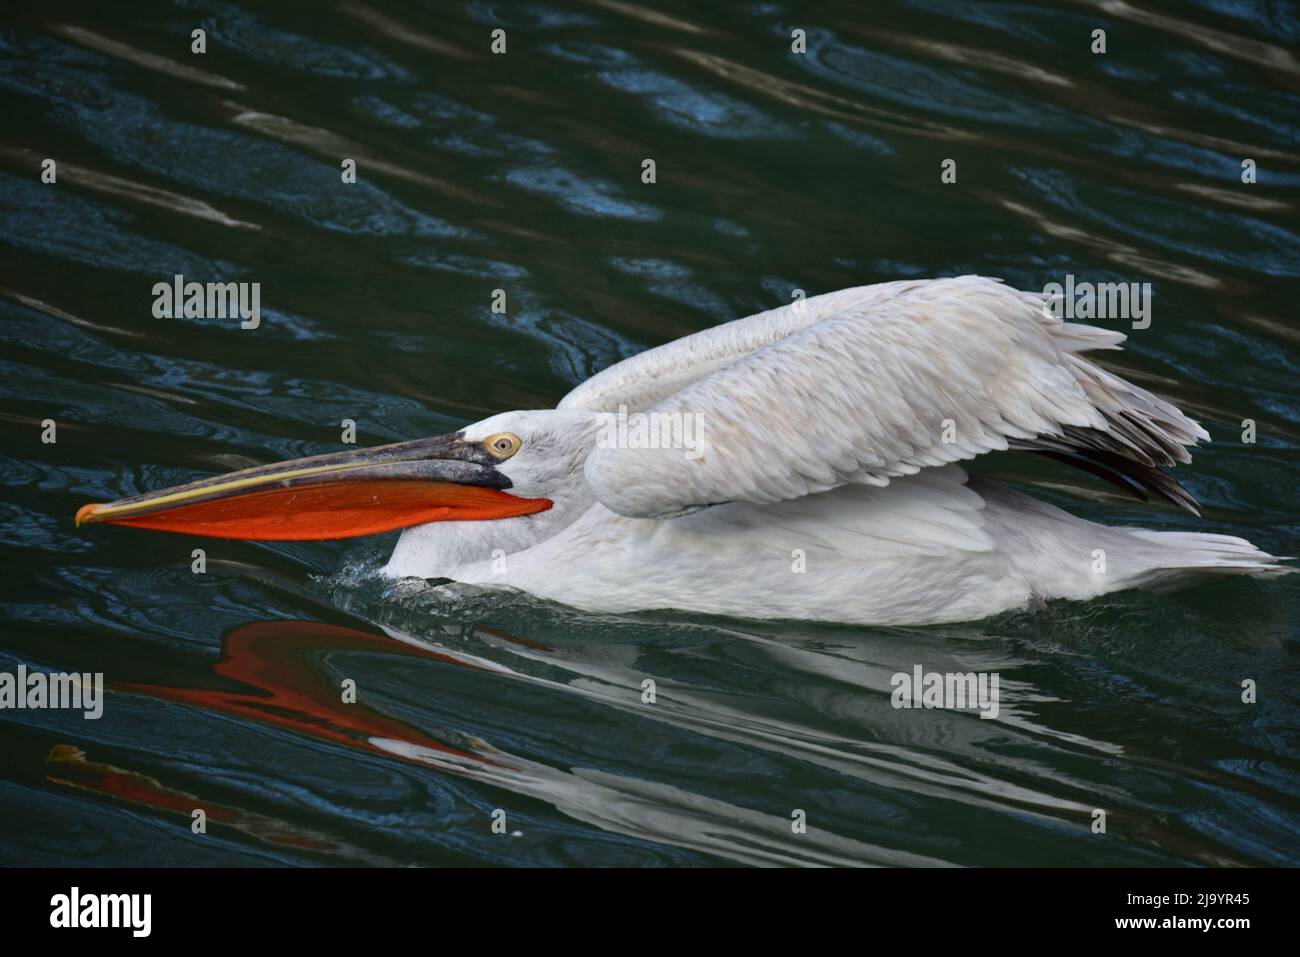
821,485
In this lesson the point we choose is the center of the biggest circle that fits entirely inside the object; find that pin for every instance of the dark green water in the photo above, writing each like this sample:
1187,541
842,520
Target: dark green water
521,171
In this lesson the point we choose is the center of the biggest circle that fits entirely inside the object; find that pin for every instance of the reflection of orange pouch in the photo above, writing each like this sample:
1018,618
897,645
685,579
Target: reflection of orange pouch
272,659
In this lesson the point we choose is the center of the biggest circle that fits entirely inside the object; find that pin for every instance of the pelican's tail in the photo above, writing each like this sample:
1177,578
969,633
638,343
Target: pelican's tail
1059,555
1177,558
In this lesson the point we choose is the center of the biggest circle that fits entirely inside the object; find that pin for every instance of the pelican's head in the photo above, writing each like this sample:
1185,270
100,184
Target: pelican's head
508,466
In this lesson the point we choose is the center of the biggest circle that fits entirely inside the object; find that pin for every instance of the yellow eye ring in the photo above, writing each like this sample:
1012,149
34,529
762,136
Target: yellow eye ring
502,445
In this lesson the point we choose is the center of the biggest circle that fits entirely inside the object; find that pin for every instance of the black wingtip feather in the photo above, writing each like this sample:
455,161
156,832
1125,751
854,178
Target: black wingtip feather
1133,477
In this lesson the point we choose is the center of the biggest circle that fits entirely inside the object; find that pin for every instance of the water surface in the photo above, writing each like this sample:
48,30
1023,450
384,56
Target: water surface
775,171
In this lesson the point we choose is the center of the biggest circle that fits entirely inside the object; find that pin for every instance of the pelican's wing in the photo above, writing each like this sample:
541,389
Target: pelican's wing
866,385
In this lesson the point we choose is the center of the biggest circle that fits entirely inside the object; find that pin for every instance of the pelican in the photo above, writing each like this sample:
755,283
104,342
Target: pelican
822,481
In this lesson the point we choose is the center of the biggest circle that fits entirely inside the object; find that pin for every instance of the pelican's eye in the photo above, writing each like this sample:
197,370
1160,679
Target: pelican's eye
503,444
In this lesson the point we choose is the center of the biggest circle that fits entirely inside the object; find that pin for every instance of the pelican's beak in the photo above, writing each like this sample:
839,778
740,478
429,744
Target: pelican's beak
341,495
